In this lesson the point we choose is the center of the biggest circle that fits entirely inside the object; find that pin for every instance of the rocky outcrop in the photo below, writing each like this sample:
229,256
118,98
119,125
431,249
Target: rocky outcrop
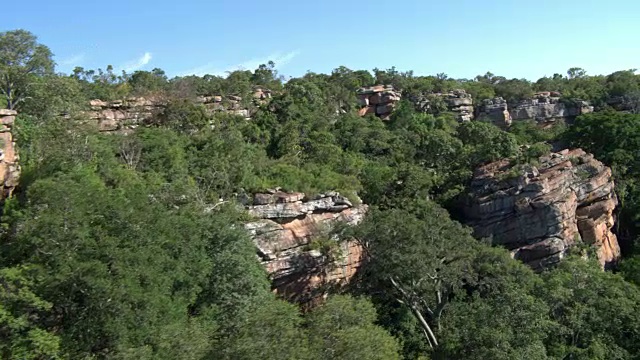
540,212
292,237
9,166
545,108
379,100
456,101
495,111
126,115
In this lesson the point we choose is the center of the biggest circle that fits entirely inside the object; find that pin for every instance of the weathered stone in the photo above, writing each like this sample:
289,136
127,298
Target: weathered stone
282,197
263,199
457,101
379,100
9,167
123,115
7,120
7,112
283,242
544,107
543,211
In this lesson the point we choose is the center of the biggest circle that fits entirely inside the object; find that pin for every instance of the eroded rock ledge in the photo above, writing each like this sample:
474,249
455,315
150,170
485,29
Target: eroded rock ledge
125,115
540,212
291,235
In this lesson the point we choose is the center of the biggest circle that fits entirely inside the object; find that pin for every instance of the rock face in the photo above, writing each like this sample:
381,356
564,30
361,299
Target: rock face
379,100
496,111
544,107
123,115
126,115
292,240
9,167
457,101
540,212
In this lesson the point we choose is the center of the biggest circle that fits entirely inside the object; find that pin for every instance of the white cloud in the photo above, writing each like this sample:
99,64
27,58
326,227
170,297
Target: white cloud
75,60
278,58
137,64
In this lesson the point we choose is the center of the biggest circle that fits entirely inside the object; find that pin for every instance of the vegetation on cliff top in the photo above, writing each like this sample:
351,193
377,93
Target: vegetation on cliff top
106,250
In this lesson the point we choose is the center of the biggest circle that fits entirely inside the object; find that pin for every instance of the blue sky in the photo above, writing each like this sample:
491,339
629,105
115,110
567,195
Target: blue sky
462,38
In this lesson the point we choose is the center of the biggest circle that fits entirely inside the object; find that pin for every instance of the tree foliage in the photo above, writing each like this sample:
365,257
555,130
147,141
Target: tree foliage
132,246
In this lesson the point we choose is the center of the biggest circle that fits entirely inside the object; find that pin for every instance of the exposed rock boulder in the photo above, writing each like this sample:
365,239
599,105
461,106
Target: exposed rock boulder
379,100
9,166
495,111
540,212
544,107
291,235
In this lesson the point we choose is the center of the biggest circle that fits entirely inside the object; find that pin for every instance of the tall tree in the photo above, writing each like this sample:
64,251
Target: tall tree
21,58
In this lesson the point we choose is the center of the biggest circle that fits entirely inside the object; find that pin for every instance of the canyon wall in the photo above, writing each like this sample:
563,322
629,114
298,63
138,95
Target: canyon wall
540,212
9,166
292,234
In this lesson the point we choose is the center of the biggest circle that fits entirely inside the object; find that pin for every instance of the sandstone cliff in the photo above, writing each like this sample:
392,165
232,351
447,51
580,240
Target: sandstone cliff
545,108
540,212
126,115
9,167
293,242
381,100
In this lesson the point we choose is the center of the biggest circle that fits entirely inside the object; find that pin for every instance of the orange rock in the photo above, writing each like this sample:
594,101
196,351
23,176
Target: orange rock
545,210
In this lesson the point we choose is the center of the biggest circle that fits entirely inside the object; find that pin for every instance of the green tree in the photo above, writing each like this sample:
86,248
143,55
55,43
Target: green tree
148,82
344,328
596,312
21,318
21,59
421,257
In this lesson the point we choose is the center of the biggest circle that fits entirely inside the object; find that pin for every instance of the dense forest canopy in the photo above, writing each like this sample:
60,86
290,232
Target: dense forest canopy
109,258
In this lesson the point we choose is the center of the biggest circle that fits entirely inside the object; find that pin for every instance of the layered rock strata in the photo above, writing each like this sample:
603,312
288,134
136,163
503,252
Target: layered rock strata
292,237
9,166
545,108
379,100
540,212
495,111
